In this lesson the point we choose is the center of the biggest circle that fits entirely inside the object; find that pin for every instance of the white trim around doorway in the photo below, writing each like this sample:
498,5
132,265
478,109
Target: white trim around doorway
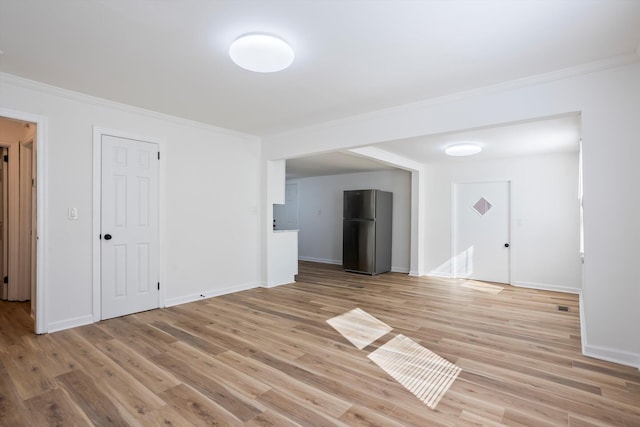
42,132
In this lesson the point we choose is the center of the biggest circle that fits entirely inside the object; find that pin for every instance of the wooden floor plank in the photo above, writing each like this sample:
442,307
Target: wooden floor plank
283,382
87,394
216,392
141,368
55,408
197,409
271,418
27,371
361,416
207,365
56,361
12,407
296,410
168,416
268,357
186,337
131,397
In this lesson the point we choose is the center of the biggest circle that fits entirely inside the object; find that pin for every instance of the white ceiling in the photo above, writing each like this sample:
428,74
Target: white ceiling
335,163
352,57
552,135
545,136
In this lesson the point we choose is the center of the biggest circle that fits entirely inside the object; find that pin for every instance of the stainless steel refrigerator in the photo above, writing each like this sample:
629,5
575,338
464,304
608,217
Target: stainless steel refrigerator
366,231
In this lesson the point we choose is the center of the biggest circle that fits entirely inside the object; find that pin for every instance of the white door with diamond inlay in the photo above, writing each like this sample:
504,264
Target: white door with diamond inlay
481,231
129,226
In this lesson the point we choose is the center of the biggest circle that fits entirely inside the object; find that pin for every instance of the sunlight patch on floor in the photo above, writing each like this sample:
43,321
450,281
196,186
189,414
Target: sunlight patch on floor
359,327
488,288
422,372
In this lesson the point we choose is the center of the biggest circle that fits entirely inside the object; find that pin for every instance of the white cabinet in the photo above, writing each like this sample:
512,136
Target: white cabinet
283,258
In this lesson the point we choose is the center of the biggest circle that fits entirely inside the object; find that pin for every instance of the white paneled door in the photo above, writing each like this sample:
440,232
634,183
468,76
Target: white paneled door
482,231
129,226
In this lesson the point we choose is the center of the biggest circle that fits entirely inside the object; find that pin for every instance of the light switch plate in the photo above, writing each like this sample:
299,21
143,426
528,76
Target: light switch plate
73,214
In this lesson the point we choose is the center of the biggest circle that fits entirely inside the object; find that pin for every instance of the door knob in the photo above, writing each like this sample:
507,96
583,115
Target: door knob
107,237
506,245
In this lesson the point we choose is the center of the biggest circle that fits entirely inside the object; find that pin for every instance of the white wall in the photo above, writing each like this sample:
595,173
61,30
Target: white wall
609,100
320,214
211,197
225,165
545,233
212,244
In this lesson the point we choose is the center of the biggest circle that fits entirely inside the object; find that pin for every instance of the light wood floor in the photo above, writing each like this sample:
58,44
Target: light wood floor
267,357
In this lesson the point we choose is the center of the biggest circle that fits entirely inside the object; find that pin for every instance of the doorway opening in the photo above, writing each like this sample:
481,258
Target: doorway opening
18,212
285,217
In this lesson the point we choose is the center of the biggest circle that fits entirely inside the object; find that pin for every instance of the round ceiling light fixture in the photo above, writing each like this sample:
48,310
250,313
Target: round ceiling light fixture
262,53
464,149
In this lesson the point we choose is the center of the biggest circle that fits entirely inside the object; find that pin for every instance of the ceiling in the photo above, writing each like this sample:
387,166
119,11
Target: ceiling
352,57
545,136
334,163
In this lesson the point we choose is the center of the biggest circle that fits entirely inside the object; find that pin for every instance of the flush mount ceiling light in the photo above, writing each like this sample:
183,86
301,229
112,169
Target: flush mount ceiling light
261,53
465,149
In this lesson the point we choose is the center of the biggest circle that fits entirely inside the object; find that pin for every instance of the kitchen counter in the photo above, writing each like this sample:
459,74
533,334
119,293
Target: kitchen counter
283,257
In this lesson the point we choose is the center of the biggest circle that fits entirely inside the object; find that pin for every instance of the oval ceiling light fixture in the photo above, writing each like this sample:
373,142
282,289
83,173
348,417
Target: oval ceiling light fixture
464,149
262,53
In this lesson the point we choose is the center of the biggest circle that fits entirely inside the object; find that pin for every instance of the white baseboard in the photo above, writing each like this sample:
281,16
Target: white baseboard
439,275
612,355
170,302
400,270
546,287
70,323
604,353
275,285
583,323
320,260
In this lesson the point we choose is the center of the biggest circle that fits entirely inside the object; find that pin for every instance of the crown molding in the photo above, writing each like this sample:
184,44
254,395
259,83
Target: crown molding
565,73
101,102
609,63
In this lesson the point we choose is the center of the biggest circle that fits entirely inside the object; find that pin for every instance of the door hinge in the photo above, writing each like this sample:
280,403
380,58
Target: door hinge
158,285
158,155
100,237
6,158
6,279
